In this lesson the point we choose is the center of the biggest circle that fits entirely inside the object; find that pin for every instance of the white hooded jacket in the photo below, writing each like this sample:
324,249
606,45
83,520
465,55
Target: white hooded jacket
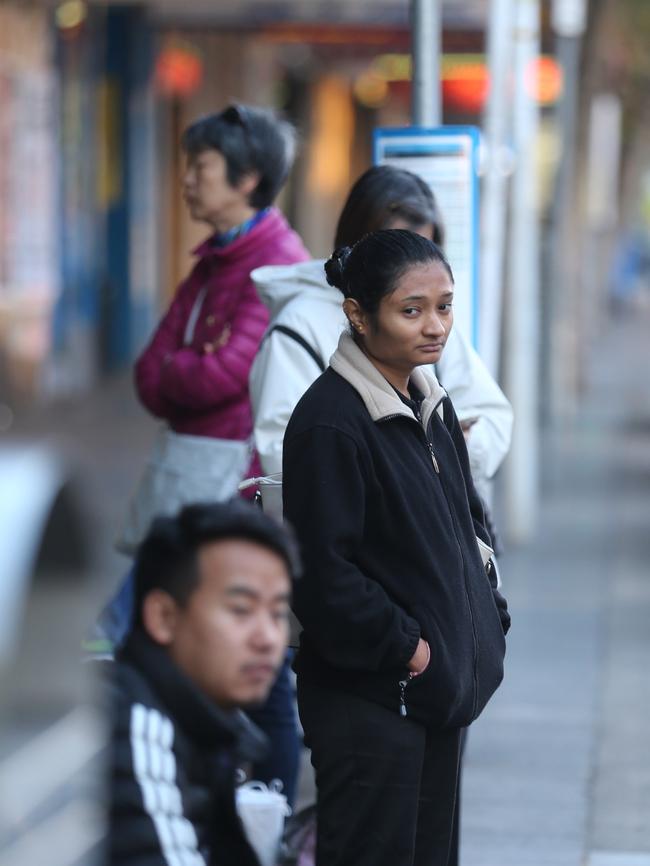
300,298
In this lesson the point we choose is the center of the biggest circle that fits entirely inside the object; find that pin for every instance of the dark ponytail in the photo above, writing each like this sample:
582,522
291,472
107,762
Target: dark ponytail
335,268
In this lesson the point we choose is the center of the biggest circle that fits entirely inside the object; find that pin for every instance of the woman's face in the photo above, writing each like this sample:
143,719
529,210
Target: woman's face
413,322
209,195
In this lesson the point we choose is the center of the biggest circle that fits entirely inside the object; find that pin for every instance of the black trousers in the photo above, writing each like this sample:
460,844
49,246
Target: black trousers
454,848
386,785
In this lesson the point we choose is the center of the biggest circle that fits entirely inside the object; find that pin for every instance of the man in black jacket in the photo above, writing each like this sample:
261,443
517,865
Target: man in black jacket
212,599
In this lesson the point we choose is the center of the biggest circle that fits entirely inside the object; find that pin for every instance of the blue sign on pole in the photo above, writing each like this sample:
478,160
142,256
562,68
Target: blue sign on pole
446,158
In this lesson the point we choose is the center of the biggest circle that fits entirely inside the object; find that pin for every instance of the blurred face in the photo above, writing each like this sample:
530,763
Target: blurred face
231,636
210,197
412,324
425,230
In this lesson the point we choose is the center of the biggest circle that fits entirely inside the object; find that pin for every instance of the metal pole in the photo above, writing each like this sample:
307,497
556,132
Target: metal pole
426,26
568,18
495,184
522,332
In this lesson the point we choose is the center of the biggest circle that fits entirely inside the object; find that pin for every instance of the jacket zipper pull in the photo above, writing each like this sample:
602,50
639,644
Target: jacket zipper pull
433,457
402,699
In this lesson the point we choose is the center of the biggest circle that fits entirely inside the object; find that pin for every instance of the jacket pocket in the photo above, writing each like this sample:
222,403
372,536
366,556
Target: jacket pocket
444,694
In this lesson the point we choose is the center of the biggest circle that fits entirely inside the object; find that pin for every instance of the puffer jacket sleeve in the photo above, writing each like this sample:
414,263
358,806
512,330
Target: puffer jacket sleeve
475,394
346,616
475,504
164,344
201,380
281,374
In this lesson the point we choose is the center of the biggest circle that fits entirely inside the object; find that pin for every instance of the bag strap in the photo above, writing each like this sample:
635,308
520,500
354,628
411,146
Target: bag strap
294,335
193,317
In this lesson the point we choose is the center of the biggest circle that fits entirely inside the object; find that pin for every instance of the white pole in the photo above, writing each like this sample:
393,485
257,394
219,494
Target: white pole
426,25
569,17
522,331
495,183
562,290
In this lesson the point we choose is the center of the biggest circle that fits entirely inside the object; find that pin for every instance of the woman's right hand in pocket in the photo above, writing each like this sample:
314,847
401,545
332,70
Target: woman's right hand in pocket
421,657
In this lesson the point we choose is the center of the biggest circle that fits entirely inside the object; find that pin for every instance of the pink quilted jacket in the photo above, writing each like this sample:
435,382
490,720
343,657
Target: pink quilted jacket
206,393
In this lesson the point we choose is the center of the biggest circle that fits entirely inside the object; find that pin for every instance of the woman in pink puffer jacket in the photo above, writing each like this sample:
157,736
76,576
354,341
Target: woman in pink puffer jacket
194,372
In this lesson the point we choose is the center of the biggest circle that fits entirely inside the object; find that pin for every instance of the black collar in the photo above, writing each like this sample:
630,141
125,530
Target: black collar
414,402
203,721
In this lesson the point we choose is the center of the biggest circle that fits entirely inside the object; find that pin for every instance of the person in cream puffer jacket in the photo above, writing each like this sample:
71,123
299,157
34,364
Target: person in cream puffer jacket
300,300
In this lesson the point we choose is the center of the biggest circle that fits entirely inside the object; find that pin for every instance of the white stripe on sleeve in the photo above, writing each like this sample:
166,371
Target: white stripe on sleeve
154,765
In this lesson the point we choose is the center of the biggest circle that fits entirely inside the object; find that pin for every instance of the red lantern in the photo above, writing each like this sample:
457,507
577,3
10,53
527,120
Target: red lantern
465,87
179,70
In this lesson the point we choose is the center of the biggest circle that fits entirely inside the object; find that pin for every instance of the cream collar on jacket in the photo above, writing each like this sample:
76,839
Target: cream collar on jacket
377,393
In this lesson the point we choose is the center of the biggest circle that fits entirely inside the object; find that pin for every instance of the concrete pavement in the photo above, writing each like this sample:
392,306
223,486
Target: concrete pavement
558,767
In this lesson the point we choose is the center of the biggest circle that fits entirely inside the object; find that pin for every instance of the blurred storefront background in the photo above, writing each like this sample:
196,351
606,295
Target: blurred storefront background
94,95
93,233
29,248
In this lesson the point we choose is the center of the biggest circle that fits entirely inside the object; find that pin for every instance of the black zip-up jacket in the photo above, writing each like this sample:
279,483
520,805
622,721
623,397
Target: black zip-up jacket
173,757
388,519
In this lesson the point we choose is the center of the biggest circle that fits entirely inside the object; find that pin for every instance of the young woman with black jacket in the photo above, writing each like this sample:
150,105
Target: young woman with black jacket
403,639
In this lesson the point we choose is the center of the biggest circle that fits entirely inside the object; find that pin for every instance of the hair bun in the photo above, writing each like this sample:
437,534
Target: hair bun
335,268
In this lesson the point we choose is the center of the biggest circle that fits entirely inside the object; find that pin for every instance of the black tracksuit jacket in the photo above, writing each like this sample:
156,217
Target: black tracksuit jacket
173,758
388,536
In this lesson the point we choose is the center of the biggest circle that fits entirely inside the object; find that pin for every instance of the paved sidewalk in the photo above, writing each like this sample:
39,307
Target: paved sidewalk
558,767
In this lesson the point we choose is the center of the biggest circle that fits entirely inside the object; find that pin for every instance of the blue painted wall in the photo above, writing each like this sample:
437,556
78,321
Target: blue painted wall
100,68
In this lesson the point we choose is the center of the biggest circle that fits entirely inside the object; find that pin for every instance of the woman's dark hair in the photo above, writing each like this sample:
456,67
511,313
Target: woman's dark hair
370,270
167,558
250,140
383,194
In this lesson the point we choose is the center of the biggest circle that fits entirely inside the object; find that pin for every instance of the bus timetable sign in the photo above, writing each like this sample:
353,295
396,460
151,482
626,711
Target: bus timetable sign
446,158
